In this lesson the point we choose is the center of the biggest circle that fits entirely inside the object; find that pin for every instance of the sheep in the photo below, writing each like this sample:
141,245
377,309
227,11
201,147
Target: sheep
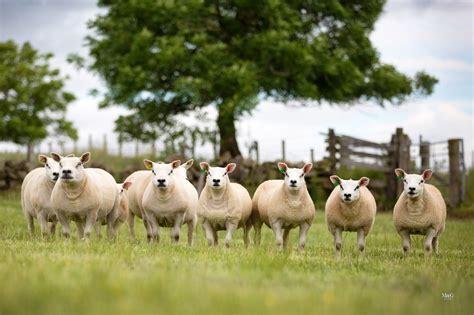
283,205
420,209
85,196
350,207
163,199
123,210
36,193
223,205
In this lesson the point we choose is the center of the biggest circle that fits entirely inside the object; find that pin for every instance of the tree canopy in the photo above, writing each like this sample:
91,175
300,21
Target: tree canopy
163,58
33,102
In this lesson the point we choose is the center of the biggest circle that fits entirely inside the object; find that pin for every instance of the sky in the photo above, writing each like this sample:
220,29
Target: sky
434,36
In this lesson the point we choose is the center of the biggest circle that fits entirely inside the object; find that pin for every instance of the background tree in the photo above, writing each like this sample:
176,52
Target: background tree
162,58
32,100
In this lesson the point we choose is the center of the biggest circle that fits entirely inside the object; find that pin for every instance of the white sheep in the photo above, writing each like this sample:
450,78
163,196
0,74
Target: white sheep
163,199
283,205
223,205
36,193
85,196
123,210
350,207
420,209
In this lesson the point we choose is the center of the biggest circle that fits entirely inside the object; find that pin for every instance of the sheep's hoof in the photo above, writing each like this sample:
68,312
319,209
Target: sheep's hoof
66,235
227,244
210,242
361,248
338,246
406,249
176,238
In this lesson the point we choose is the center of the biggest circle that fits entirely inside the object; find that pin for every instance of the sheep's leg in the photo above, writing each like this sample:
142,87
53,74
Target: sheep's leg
149,232
80,229
131,225
65,230
178,221
247,228
209,231
30,223
98,227
216,239
304,228
286,234
406,241
152,224
111,224
430,234
258,232
338,240
43,224
191,226
361,240
91,218
435,244
52,228
276,227
230,228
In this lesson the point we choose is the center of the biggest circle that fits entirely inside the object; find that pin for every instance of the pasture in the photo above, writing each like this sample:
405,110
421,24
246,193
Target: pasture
123,277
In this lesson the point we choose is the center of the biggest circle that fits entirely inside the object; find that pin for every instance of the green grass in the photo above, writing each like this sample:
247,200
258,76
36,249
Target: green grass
122,277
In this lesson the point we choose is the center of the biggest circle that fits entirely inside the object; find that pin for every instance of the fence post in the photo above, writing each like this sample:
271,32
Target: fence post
283,151
136,148
104,144
311,155
424,154
455,172
332,150
90,143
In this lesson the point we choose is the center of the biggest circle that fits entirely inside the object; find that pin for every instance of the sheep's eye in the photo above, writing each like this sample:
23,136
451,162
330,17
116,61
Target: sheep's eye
224,174
356,188
78,164
60,165
170,172
342,188
153,171
302,175
47,165
286,174
422,181
405,181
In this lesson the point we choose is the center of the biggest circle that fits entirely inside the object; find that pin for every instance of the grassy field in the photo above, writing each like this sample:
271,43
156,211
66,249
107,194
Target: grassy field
123,277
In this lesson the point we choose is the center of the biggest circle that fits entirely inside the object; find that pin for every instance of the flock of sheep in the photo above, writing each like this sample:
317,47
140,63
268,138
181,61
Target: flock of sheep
162,196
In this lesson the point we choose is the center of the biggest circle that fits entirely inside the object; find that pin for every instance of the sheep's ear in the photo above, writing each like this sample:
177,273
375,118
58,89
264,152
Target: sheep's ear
56,156
364,181
282,167
230,167
70,155
42,159
307,168
427,174
126,185
85,157
188,164
175,163
400,173
335,179
148,164
204,166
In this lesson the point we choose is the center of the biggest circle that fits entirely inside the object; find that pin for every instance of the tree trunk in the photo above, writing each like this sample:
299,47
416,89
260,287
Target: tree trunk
227,133
29,151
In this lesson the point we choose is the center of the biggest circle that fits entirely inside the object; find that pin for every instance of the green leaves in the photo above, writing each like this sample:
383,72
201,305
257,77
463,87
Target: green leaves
32,100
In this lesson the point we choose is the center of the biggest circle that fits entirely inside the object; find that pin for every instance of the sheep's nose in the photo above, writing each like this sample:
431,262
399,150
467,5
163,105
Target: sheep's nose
347,195
217,181
55,174
293,181
67,172
412,188
161,181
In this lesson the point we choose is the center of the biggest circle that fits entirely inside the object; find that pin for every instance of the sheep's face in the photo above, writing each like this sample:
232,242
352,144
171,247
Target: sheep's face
163,176
294,177
122,188
413,184
71,168
51,167
349,189
217,177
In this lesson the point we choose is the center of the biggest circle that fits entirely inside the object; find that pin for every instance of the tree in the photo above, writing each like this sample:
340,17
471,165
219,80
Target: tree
162,58
32,100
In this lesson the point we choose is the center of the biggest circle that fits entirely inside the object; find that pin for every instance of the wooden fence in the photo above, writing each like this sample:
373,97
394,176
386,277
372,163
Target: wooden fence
350,152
